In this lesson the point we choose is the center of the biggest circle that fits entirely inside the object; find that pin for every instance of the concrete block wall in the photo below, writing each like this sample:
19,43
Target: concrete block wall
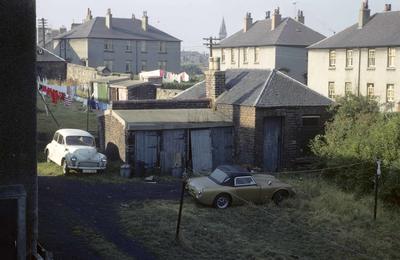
114,138
80,74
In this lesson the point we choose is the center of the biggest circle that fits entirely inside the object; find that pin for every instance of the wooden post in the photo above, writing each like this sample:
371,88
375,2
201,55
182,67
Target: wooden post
377,175
180,209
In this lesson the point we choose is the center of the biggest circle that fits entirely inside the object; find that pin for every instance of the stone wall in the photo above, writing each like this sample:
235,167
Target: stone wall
161,104
114,138
80,74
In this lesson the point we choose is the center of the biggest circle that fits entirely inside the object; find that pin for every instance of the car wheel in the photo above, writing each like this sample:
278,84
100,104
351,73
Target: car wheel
100,171
47,156
279,196
222,201
65,167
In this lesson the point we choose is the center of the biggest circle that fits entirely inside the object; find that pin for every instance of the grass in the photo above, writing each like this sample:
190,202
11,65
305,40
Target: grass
321,222
104,248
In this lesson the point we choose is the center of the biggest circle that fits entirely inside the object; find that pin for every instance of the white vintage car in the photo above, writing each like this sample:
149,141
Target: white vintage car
75,149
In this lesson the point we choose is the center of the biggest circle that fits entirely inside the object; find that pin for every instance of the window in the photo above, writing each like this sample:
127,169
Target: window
80,140
371,58
108,45
223,55
128,47
370,91
60,139
109,64
331,89
163,47
128,66
232,55
244,181
310,120
391,57
256,54
348,88
162,65
143,46
332,58
390,93
349,58
55,138
143,65
245,55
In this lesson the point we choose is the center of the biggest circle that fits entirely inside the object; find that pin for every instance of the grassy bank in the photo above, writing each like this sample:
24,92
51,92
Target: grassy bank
321,222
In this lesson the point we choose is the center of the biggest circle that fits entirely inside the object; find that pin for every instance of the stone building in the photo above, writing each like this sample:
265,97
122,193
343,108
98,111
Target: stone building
274,116
272,43
362,59
122,44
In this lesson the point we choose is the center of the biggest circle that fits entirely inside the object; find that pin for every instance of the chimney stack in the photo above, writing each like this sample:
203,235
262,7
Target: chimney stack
133,17
300,17
267,14
109,19
388,7
248,22
89,15
365,14
276,19
145,21
215,79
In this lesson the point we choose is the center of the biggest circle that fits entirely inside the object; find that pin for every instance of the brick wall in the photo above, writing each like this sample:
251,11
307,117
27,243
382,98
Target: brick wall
295,136
114,138
161,104
215,83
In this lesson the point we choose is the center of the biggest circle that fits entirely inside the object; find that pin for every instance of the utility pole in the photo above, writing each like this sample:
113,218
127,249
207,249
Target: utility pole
43,24
211,42
377,176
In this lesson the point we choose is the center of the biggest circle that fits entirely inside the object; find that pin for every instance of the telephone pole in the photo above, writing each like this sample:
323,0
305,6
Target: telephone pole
43,25
210,43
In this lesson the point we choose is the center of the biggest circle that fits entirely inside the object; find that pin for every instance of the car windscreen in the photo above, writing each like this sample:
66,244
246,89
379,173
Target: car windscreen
80,140
218,176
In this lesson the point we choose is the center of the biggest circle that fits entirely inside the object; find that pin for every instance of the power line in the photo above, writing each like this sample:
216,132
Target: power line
210,43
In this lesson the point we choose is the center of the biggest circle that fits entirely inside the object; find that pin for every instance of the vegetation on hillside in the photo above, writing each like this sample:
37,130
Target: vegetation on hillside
359,133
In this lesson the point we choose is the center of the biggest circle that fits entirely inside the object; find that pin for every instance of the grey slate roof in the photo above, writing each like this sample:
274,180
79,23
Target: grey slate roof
382,30
288,33
261,88
122,28
43,55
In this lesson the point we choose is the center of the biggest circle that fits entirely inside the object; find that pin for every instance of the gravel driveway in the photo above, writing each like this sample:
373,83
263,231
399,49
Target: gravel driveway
67,203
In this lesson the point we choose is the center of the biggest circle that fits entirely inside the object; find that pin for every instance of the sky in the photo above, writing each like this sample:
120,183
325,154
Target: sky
193,20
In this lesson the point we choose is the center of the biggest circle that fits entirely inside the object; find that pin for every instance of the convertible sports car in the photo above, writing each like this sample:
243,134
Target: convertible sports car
229,184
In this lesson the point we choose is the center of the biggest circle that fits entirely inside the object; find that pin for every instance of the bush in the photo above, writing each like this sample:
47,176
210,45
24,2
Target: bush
359,133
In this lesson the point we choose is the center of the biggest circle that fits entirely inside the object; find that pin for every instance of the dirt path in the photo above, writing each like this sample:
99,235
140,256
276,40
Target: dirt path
65,204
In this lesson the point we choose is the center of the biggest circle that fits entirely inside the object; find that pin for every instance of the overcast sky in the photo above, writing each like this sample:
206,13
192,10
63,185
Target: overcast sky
192,20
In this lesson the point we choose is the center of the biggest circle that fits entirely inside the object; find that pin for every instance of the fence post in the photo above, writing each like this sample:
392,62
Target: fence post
377,175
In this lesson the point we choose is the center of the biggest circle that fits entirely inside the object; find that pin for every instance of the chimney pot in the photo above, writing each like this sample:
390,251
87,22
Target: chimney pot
248,22
300,17
276,19
109,19
267,14
145,21
365,14
388,7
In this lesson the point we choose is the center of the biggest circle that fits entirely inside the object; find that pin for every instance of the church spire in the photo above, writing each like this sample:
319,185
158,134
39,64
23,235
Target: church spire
222,30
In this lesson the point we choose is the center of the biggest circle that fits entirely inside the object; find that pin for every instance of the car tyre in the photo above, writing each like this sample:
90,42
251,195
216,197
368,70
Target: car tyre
65,167
280,196
47,156
222,201
100,171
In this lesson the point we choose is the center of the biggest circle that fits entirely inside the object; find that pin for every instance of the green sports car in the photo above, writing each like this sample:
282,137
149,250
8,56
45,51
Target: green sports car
230,184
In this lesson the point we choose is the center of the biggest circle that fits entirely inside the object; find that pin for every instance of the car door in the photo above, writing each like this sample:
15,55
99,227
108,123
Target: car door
60,149
246,189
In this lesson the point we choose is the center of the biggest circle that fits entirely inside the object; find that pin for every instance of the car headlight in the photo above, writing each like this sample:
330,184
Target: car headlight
199,193
104,160
74,159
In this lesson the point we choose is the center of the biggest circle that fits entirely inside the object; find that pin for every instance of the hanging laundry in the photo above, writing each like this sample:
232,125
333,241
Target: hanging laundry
67,100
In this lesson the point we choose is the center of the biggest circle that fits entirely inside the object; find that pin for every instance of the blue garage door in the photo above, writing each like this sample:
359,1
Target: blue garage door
201,150
173,151
147,147
272,143
222,146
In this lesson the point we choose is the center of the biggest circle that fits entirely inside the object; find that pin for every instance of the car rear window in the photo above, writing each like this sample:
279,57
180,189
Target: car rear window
80,140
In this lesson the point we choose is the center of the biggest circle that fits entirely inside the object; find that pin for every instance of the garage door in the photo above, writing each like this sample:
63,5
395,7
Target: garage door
222,146
201,150
272,143
173,151
147,147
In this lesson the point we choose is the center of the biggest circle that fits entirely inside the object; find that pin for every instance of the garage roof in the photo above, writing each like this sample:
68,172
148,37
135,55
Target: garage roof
163,119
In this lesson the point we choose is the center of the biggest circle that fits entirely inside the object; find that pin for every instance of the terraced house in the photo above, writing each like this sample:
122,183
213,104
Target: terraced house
122,44
362,59
272,43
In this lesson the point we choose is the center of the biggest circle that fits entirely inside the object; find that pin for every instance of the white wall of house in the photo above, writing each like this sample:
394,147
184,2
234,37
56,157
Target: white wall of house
93,50
292,60
320,73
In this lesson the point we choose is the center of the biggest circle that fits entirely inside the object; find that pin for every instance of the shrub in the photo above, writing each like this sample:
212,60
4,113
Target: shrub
360,133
